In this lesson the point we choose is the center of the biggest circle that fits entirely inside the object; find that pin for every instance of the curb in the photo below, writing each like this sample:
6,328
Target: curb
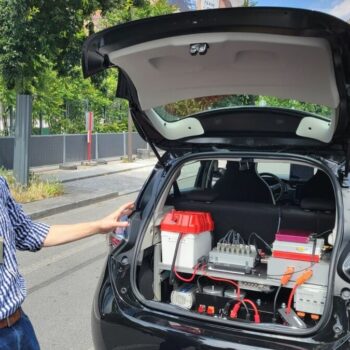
79,204
104,174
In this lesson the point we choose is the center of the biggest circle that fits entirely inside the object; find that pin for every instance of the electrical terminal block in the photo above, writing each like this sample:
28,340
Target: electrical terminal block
240,249
241,256
258,287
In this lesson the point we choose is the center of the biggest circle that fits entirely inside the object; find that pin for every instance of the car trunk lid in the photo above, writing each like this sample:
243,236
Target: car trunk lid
286,53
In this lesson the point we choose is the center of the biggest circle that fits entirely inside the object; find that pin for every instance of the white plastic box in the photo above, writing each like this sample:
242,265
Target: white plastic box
310,299
191,248
195,228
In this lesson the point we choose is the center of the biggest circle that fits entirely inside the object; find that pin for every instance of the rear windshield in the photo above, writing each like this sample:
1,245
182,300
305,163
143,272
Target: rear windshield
175,111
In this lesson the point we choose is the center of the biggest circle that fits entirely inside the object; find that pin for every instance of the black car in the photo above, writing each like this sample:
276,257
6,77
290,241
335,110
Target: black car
241,234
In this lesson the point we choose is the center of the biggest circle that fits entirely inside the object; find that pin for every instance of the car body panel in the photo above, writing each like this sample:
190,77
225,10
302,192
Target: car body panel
235,63
120,319
291,53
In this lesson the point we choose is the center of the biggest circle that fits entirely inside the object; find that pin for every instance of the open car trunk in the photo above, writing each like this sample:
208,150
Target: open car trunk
221,241
246,242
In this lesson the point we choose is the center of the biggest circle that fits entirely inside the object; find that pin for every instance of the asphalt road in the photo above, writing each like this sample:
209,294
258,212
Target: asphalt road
61,282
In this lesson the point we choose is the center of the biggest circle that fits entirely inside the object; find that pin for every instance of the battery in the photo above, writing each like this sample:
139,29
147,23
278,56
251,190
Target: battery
195,228
295,236
310,251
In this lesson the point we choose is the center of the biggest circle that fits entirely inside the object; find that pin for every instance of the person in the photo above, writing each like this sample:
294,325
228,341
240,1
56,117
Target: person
18,231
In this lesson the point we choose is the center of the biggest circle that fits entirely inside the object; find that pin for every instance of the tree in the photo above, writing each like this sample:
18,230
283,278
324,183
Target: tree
249,3
294,104
201,104
34,32
40,51
7,102
128,10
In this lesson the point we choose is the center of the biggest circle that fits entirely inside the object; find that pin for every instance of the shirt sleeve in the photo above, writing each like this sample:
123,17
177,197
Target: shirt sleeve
29,235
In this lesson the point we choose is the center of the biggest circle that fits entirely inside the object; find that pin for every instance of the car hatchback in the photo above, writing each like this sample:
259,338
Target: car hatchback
240,238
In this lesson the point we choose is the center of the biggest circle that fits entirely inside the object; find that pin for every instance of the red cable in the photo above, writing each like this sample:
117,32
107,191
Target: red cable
238,305
190,279
252,304
236,285
184,279
299,281
291,295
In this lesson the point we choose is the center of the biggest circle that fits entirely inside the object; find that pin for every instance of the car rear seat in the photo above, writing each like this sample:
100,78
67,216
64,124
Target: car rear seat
247,217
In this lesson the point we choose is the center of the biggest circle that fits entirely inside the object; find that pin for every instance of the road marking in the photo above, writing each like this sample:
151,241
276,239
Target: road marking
58,257
56,278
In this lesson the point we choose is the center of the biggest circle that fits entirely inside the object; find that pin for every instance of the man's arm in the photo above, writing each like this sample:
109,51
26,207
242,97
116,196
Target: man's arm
60,234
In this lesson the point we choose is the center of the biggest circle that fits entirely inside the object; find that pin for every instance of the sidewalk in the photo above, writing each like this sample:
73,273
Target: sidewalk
88,185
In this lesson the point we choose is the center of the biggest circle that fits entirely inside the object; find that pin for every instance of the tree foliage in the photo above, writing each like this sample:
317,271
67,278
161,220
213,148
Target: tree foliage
128,10
40,52
201,104
34,32
197,105
294,104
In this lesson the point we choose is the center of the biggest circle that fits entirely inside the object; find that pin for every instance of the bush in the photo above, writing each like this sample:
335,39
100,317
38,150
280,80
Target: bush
37,188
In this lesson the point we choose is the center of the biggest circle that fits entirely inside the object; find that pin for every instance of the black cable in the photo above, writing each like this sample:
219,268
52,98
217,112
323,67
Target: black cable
200,289
171,277
254,234
313,251
246,309
297,271
268,246
275,304
279,219
229,305
317,235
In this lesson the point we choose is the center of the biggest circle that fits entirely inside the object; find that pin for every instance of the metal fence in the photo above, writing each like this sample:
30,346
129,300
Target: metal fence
57,149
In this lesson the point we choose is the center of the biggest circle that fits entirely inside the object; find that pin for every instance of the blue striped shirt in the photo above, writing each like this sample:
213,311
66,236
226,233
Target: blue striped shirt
18,231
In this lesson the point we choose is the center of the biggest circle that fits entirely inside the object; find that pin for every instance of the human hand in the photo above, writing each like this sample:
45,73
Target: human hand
111,222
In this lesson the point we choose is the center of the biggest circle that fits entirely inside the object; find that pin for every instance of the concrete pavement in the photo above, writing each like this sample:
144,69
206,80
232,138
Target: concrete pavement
61,281
88,185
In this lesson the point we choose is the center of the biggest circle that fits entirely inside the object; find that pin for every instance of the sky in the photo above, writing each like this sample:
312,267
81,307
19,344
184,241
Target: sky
339,8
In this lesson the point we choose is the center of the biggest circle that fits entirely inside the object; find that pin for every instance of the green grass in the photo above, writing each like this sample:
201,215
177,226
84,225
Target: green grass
37,188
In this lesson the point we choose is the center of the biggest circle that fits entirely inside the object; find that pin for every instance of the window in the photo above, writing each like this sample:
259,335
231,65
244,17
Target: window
189,173
181,109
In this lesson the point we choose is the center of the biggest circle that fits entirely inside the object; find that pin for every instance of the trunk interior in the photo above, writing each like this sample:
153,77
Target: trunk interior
242,241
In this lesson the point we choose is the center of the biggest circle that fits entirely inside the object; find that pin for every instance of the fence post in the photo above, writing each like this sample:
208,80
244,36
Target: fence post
64,148
124,143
